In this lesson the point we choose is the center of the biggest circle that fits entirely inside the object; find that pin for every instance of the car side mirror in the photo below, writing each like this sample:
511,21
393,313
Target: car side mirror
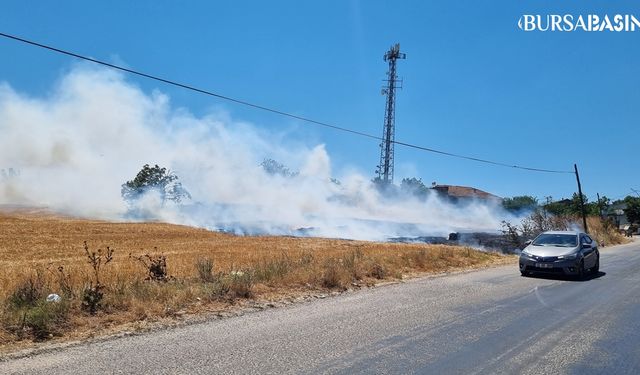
527,243
586,246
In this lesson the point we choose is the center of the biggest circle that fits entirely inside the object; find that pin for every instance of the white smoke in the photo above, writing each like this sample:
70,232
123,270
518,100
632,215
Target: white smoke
75,147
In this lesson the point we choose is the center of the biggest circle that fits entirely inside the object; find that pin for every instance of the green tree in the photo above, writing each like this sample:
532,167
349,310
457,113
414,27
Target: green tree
386,189
633,209
520,203
414,186
569,207
157,179
558,208
576,204
602,205
275,168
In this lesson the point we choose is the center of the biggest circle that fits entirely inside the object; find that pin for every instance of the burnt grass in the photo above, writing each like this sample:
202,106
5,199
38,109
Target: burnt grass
477,240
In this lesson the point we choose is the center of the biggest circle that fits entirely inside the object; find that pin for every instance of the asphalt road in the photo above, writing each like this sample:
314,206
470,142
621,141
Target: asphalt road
491,321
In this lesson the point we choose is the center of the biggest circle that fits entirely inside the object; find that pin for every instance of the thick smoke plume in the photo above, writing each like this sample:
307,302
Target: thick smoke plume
72,150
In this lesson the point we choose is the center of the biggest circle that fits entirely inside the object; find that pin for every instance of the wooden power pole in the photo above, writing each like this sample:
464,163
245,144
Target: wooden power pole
582,208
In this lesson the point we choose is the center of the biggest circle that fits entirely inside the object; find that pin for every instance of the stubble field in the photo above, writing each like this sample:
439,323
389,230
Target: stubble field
206,272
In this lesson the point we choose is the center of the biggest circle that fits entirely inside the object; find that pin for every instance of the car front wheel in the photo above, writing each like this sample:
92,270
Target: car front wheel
580,274
596,267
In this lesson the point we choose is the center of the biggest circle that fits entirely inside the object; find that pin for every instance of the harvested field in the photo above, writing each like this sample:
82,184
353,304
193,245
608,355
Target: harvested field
205,271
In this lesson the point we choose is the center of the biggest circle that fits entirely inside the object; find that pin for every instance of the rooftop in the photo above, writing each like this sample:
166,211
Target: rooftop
464,192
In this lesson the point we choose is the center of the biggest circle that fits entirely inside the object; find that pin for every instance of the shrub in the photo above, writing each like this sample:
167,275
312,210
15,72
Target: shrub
604,232
44,319
29,291
156,266
241,284
512,233
204,266
92,294
537,222
29,313
40,321
268,270
378,271
331,275
64,282
216,290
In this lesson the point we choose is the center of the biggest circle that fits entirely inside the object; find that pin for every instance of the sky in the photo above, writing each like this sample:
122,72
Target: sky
473,82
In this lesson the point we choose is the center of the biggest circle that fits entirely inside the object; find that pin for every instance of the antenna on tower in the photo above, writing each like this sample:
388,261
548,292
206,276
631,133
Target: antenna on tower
385,168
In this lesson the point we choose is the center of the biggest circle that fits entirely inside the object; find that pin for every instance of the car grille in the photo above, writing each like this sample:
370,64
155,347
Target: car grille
544,259
544,270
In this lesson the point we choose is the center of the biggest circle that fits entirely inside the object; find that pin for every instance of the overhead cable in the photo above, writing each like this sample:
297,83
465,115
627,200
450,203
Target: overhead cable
272,110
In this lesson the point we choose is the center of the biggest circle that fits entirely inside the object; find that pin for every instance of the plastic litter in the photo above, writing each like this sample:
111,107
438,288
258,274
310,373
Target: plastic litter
53,298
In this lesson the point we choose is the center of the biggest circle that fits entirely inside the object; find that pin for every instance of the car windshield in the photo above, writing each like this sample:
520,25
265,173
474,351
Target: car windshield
563,240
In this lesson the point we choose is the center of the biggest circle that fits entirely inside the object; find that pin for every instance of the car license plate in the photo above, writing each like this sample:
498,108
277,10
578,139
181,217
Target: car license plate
544,265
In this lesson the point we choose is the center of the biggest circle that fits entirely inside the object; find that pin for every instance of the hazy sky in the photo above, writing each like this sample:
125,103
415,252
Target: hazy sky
474,83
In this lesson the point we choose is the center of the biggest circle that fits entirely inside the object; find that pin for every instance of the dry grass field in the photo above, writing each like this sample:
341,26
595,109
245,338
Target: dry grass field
604,233
43,253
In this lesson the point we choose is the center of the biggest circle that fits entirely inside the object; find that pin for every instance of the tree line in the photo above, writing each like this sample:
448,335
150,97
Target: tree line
167,185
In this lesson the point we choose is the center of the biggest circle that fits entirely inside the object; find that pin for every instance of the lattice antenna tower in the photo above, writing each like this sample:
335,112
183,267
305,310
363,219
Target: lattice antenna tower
385,168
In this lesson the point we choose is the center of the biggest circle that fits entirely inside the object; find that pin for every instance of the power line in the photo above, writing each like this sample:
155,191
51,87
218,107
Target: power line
267,109
480,160
188,87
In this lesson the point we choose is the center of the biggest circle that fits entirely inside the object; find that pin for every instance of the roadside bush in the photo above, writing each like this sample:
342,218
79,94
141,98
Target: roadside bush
204,266
332,275
377,271
28,313
512,233
63,280
45,319
604,232
29,291
121,291
92,293
92,296
240,284
216,290
156,266
268,270
39,320
537,222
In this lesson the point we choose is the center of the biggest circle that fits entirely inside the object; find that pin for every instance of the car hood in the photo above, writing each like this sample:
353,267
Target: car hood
549,251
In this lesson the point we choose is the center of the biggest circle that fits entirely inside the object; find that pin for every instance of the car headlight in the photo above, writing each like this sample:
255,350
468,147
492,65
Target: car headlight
568,256
527,254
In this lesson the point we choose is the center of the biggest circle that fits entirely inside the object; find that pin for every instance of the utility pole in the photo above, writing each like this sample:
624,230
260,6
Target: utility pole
600,206
582,208
385,167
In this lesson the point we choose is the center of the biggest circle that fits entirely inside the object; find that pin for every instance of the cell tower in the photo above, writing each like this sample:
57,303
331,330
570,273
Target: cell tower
385,168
